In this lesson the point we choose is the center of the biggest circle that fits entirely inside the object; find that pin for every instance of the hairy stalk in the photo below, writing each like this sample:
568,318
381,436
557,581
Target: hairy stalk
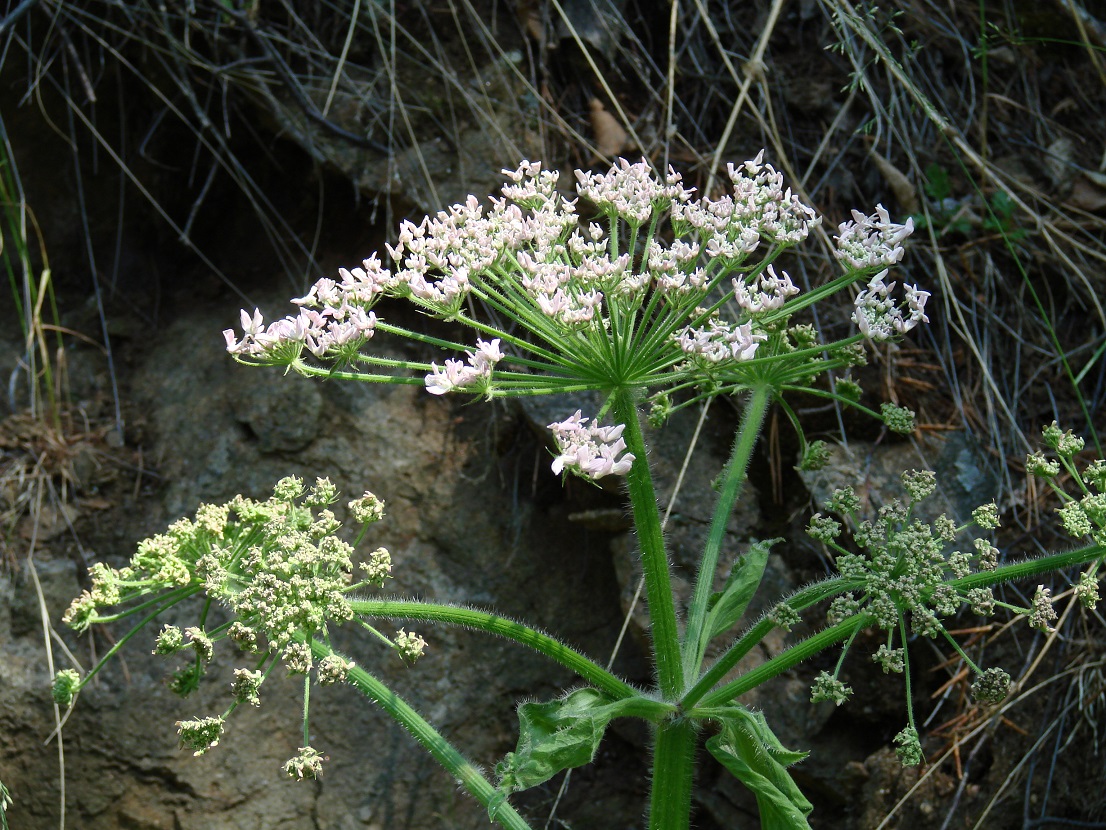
802,650
504,627
803,599
654,558
695,645
1030,567
443,751
673,770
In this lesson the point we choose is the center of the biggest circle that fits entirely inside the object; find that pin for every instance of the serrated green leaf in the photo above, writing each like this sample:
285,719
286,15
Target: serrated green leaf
555,736
740,587
749,749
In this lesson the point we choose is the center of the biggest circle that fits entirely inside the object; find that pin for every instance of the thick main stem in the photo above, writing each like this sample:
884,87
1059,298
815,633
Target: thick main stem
751,421
654,559
673,768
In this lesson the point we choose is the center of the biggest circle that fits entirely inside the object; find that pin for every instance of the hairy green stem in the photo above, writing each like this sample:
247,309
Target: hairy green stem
695,645
782,662
504,627
803,599
1030,567
673,771
654,559
443,751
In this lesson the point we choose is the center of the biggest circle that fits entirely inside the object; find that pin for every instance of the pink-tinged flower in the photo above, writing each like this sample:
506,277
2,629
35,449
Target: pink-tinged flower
487,354
718,341
251,326
591,452
627,190
471,377
878,316
872,241
452,375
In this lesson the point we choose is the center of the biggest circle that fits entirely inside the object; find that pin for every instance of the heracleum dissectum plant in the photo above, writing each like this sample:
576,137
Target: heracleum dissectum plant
650,296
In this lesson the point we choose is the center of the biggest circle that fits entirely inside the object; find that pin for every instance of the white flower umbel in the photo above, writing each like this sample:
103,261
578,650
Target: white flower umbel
871,241
879,317
325,334
635,296
590,451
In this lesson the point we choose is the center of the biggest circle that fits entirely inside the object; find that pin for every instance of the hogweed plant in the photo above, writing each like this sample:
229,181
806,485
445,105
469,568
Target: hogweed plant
654,298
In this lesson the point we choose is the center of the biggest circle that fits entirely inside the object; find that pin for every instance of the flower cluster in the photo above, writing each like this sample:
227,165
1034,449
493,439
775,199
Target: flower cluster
200,734
908,747
307,762
337,331
760,208
903,569
767,293
906,569
902,563
828,688
627,294
879,317
1084,516
277,566
871,241
410,645
718,341
590,451
471,376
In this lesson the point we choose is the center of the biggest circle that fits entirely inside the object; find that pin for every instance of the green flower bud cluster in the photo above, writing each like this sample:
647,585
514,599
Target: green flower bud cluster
992,686
897,418
905,570
200,734
902,563
1082,516
828,688
909,747
816,455
1085,515
280,570
785,616
65,686
277,565
307,763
